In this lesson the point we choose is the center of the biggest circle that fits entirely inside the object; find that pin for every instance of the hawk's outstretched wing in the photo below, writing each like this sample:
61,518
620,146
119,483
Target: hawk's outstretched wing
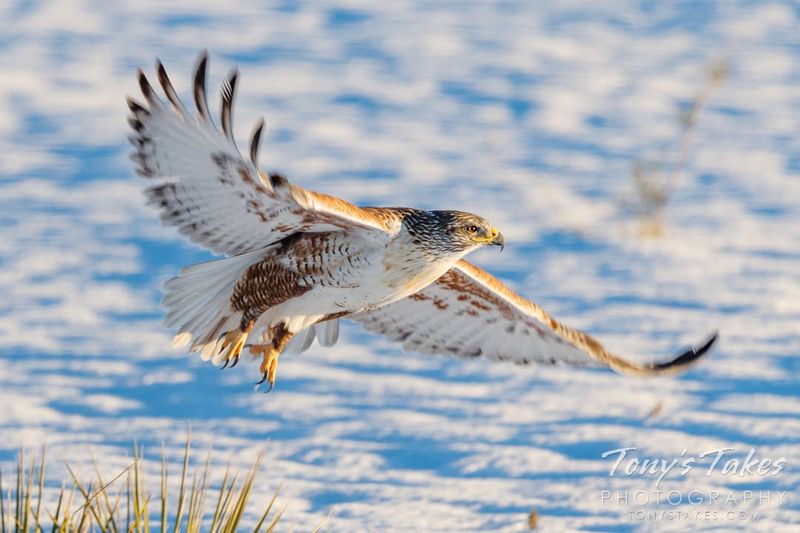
469,313
209,191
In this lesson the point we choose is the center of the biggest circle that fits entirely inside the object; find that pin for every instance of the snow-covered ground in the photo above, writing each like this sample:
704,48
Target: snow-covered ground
531,114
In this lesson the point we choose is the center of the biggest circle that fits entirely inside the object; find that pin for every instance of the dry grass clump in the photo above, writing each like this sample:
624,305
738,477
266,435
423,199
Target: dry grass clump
655,179
123,503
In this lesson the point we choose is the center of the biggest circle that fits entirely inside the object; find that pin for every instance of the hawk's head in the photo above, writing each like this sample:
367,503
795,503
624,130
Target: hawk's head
451,232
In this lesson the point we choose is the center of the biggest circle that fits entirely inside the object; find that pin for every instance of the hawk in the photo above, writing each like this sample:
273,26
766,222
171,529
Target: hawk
297,261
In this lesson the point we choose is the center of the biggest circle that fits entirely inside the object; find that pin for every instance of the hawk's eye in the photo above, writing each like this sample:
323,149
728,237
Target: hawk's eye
472,229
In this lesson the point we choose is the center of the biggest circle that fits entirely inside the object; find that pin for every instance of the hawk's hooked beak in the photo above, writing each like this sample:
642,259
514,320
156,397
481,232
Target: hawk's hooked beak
497,239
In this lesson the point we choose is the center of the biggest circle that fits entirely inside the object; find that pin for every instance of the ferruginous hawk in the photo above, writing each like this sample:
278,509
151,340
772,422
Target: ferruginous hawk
297,261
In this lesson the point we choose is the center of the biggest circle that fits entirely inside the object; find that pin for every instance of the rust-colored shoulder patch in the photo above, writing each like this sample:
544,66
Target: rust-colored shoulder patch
342,213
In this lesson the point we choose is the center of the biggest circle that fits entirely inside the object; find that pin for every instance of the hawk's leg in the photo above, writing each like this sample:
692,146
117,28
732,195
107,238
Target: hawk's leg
270,353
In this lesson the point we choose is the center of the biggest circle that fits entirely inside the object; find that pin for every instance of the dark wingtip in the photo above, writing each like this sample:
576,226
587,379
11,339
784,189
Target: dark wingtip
200,70
144,85
228,92
689,357
229,88
200,85
135,124
135,107
169,90
255,141
277,181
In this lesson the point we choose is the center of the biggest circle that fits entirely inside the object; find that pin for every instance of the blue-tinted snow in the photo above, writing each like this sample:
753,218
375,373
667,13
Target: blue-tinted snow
529,114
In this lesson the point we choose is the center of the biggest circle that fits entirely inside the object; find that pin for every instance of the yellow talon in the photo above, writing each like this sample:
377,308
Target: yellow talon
270,353
269,364
234,342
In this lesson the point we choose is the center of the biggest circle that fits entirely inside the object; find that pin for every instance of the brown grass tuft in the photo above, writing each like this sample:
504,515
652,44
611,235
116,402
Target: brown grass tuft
655,179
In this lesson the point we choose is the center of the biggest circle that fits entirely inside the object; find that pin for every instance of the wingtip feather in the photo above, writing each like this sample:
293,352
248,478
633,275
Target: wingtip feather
255,140
676,365
146,88
690,356
227,94
169,89
199,86
136,107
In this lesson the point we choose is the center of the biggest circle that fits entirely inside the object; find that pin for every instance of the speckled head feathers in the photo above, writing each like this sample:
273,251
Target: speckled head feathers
450,232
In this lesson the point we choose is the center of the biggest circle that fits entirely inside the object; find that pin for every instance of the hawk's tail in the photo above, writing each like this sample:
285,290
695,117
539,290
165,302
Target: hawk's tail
198,302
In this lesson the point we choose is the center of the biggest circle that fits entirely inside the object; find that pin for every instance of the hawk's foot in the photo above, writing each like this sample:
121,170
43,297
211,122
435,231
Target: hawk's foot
269,363
233,342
